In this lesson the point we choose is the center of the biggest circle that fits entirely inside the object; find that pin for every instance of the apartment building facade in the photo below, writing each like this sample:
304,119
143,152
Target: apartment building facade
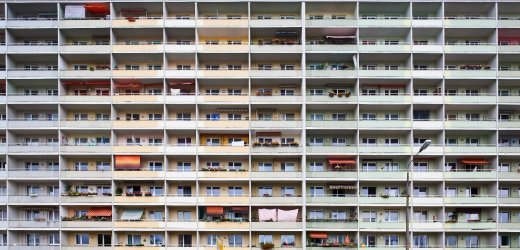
259,124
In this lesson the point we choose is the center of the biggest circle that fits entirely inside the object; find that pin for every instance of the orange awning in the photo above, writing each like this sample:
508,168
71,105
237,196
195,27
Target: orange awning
98,8
268,133
475,161
125,162
181,83
342,161
87,83
215,210
319,236
127,85
99,212
240,209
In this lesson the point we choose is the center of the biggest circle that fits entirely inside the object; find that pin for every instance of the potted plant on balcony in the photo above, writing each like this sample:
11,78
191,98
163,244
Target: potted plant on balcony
267,195
340,94
294,144
347,94
119,191
385,196
332,94
91,68
266,246
275,144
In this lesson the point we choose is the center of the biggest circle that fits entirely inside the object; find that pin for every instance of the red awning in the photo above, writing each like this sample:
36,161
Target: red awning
181,83
318,236
97,8
475,161
268,133
342,161
127,162
99,212
240,209
215,210
153,85
127,85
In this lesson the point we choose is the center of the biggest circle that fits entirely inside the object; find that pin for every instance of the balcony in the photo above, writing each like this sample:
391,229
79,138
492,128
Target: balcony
382,200
223,47
147,247
274,225
464,22
511,48
377,48
137,199
275,72
222,174
509,200
23,148
508,226
509,175
347,22
509,73
185,22
216,149
276,124
474,200
326,47
223,98
34,199
24,246
402,98
86,224
382,225
81,124
508,99
465,225
470,174
374,21
181,149
290,149
332,98
331,224
471,124
428,200
32,48
223,22
36,174
137,124
138,149
264,98
382,175
183,225
26,123
16,97
332,174
276,174
90,199
483,98
222,73
223,123
275,22
469,74
34,22
142,73
137,98
382,149
328,73
428,124
332,149
509,149
183,73
332,124
30,74
427,225
276,200
332,199
173,47
94,149
223,199
136,174
149,224
427,22
428,48
173,123
44,223
385,124
224,225
140,47
180,199
85,99
276,48
85,23
468,48
470,149
141,22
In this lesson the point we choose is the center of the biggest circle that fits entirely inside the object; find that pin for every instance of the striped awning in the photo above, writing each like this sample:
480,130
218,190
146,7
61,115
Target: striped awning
99,212
39,208
132,214
341,186
341,161
475,161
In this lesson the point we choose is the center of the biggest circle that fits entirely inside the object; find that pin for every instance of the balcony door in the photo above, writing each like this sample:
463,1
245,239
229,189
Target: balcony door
104,240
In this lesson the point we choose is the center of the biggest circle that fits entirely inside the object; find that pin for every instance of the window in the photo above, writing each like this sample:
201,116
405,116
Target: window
503,217
315,141
234,165
392,216
82,239
317,191
391,240
185,240
504,241
391,117
368,216
52,92
102,117
451,141
420,191
339,141
265,238
235,191
391,92
316,92
392,191
368,141
451,192
472,92
287,240
316,167
265,191
472,241
369,67
392,141
391,67
420,166
368,117
213,191
265,166
288,166
503,192
316,117
369,167
420,216
234,117
368,240
288,191
339,117
420,66
157,191
156,239
316,215
287,92
504,167
391,42
472,117
79,67
184,216
420,241
339,215
235,240
184,166
451,241
81,166
420,92
184,191
391,167
132,67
